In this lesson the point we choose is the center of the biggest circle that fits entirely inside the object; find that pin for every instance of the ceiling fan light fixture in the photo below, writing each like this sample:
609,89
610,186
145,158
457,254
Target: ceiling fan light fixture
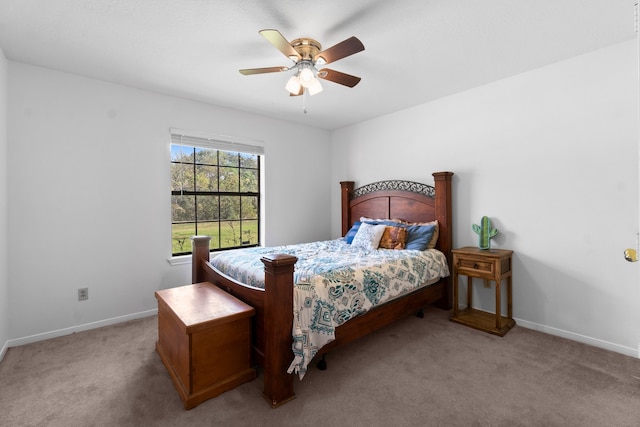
293,85
306,77
314,87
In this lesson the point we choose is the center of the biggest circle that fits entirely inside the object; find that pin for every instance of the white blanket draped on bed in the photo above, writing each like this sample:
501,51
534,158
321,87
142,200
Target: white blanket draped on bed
335,282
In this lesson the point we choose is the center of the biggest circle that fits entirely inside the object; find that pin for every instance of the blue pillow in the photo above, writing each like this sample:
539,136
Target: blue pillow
386,222
419,236
352,233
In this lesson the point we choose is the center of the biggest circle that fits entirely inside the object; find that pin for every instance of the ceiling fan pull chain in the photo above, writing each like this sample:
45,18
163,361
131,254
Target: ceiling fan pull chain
304,100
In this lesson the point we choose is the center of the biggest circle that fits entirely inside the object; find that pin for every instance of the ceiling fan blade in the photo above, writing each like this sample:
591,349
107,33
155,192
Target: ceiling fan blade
275,38
249,71
338,77
341,50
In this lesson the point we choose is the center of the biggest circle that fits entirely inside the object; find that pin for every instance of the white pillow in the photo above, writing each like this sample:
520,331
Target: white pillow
368,236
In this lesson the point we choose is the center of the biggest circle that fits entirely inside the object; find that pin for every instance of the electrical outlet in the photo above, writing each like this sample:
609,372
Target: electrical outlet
83,294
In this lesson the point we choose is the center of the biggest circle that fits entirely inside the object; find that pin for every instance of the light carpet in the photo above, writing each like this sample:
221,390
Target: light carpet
416,372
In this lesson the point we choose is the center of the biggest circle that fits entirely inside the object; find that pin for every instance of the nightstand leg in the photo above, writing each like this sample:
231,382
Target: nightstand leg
455,294
498,305
509,298
469,293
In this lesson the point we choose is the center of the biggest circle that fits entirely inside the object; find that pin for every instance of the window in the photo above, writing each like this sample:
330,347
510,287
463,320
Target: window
215,191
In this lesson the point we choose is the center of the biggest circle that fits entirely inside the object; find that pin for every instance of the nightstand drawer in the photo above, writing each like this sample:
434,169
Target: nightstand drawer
475,265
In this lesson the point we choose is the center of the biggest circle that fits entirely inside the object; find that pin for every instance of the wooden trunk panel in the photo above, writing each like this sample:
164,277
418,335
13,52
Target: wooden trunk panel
174,342
220,353
204,340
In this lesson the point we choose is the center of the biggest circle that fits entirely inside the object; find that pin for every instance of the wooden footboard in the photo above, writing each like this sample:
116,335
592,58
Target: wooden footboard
272,330
273,321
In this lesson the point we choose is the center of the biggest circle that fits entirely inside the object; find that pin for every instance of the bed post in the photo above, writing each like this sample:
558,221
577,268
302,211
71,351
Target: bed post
443,215
278,326
346,189
199,253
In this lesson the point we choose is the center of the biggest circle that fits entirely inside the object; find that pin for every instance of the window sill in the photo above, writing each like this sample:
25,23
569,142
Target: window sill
179,260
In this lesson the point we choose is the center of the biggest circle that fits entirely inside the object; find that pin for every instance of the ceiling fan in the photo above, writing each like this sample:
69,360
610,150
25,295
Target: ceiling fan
306,54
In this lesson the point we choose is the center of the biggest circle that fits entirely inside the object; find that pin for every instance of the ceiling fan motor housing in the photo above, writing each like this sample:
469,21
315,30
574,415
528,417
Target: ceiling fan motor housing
306,48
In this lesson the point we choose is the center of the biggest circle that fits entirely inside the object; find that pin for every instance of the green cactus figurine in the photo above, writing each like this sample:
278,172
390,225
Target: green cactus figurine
484,232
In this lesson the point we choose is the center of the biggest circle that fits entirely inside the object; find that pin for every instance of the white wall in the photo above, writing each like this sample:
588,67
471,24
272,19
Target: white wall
89,201
4,275
551,157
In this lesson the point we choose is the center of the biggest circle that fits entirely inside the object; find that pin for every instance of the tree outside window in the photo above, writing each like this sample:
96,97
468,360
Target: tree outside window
214,193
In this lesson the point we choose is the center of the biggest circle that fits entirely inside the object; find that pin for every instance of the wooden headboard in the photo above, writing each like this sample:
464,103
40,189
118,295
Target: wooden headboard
407,200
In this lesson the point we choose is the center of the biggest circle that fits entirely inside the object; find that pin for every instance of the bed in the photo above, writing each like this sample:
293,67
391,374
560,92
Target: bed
273,340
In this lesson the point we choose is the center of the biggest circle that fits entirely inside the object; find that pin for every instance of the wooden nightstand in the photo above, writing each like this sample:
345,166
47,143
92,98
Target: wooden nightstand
489,265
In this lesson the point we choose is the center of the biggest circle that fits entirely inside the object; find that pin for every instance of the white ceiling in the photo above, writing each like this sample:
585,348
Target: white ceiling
415,50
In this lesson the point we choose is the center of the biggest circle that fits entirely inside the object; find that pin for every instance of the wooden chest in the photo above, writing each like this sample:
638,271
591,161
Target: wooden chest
204,340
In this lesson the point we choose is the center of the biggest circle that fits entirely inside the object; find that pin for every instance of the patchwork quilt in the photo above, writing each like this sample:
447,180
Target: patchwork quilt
335,282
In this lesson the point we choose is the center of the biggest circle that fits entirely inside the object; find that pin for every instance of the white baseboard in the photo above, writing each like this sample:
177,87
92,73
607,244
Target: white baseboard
79,328
633,352
3,351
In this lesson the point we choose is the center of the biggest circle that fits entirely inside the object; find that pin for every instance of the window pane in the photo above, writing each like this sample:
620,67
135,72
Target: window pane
205,156
181,177
210,229
248,160
249,232
229,207
181,237
229,179
181,153
228,158
207,209
230,233
206,178
183,208
248,181
249,207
